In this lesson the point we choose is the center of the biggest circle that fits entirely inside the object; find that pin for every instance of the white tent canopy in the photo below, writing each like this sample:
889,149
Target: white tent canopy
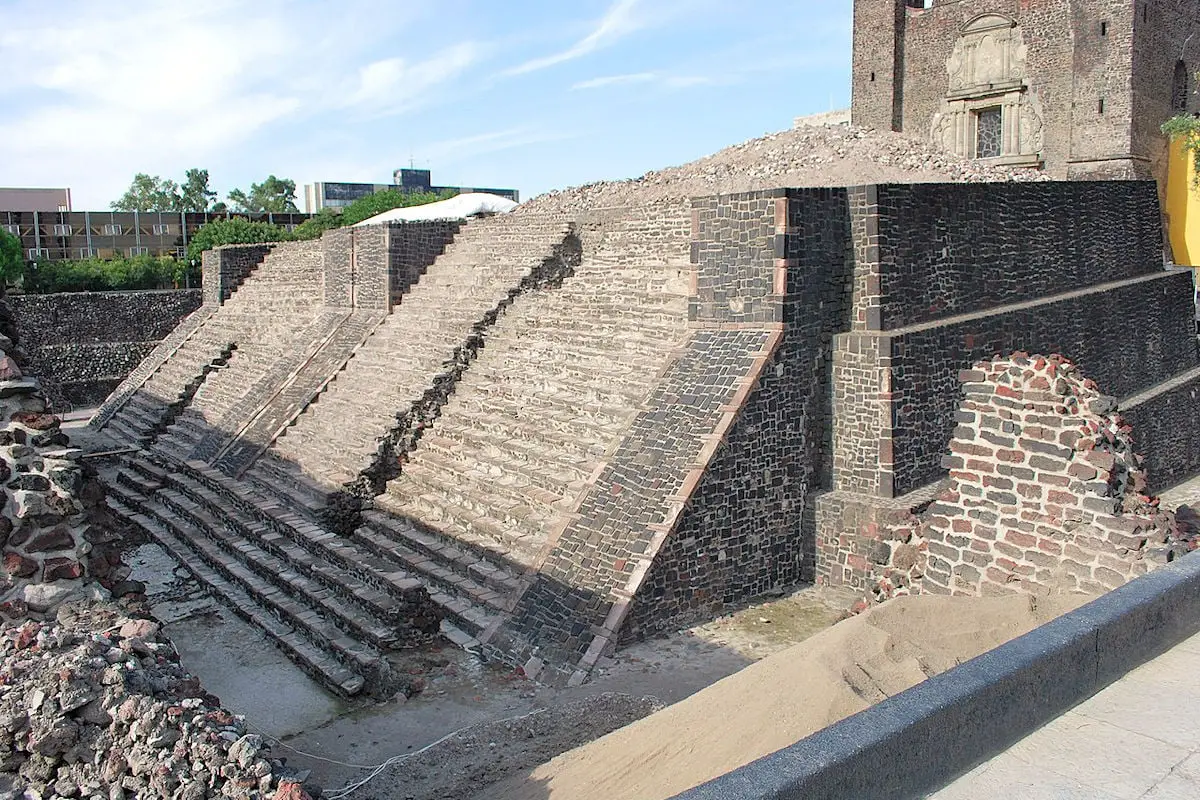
457,207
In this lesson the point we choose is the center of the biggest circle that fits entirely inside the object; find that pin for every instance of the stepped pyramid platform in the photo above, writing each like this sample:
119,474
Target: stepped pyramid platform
546,434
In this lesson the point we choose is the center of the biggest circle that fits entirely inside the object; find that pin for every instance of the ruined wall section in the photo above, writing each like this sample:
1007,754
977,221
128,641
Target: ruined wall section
83,344
1046,492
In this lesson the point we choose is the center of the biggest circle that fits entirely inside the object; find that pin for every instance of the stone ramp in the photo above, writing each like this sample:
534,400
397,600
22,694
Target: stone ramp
415,355
563,374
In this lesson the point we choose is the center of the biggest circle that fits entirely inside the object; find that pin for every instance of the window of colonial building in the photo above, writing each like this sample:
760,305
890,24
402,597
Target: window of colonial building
989,131
1179,88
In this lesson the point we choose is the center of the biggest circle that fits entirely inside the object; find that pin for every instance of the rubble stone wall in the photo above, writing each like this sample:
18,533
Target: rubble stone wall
1045,492
83,344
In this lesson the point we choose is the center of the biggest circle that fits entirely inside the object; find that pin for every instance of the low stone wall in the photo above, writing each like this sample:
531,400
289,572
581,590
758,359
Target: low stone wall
83,344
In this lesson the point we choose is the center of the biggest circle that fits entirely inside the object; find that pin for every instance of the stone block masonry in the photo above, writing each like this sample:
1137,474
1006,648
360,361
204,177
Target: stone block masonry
83,344
1045,492
224,268
710,422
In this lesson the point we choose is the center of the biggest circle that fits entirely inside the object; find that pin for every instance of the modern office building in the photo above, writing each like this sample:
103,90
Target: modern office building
340,194
69,235
18,199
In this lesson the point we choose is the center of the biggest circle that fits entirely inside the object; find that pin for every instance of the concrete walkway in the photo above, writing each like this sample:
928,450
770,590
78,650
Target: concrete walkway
1138,738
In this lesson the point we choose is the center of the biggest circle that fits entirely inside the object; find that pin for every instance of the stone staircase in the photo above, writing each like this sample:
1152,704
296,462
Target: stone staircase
289,399
230,350
418,350
334,606
563,374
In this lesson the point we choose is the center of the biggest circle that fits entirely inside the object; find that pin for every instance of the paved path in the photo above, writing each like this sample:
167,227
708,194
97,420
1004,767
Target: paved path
1139,738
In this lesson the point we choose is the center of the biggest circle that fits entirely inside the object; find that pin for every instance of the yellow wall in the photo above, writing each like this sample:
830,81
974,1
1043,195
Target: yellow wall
1183,206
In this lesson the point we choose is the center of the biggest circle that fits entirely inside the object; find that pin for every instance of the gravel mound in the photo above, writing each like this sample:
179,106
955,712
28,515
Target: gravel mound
94,704
834,155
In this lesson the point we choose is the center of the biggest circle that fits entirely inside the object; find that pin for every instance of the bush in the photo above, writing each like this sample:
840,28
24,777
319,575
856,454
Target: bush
11,260
372,204
119,274
324,220
235,230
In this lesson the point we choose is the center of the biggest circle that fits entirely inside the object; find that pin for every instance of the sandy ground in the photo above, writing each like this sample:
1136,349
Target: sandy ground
782,699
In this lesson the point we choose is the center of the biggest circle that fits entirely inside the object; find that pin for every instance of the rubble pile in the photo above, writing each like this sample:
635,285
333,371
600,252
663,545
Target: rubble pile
832,155
55,531
94,704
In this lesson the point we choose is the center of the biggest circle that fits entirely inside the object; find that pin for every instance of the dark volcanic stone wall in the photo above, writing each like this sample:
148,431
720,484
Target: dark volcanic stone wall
413,247
1126,339
225,267
83,344
741,534
948,250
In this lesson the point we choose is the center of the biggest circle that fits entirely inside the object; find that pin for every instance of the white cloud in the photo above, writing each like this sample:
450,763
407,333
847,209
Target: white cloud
615,80
618,21
93,93
451,151
393,85
656,78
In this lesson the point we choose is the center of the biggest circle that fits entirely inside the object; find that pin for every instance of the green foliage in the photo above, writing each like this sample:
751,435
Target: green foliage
148,193
96,275
1185,127
372,204
153,193
11,262
195,195
273,195
324,220
235,230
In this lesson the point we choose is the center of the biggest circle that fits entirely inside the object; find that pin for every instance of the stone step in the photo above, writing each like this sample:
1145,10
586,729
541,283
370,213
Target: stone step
437,512
442,498
327,669
543,469
291,572
286,482
476,560
399,569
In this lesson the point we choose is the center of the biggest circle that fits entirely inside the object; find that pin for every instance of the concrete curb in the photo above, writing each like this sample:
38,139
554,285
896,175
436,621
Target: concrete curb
915,742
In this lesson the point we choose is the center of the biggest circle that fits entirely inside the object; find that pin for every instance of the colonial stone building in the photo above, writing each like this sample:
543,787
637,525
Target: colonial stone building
1077,87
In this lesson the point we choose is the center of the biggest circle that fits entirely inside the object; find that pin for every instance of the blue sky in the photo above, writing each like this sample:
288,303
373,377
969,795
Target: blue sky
526,94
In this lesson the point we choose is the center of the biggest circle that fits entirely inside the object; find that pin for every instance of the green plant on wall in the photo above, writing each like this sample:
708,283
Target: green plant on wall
1186,128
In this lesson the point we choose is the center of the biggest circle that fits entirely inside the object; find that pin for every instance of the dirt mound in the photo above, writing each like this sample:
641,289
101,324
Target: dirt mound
834,155
785,697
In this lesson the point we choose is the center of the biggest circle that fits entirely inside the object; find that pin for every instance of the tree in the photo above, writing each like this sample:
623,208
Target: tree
236,230
372,204
11,263
148,193
324,220
273,195
195,195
